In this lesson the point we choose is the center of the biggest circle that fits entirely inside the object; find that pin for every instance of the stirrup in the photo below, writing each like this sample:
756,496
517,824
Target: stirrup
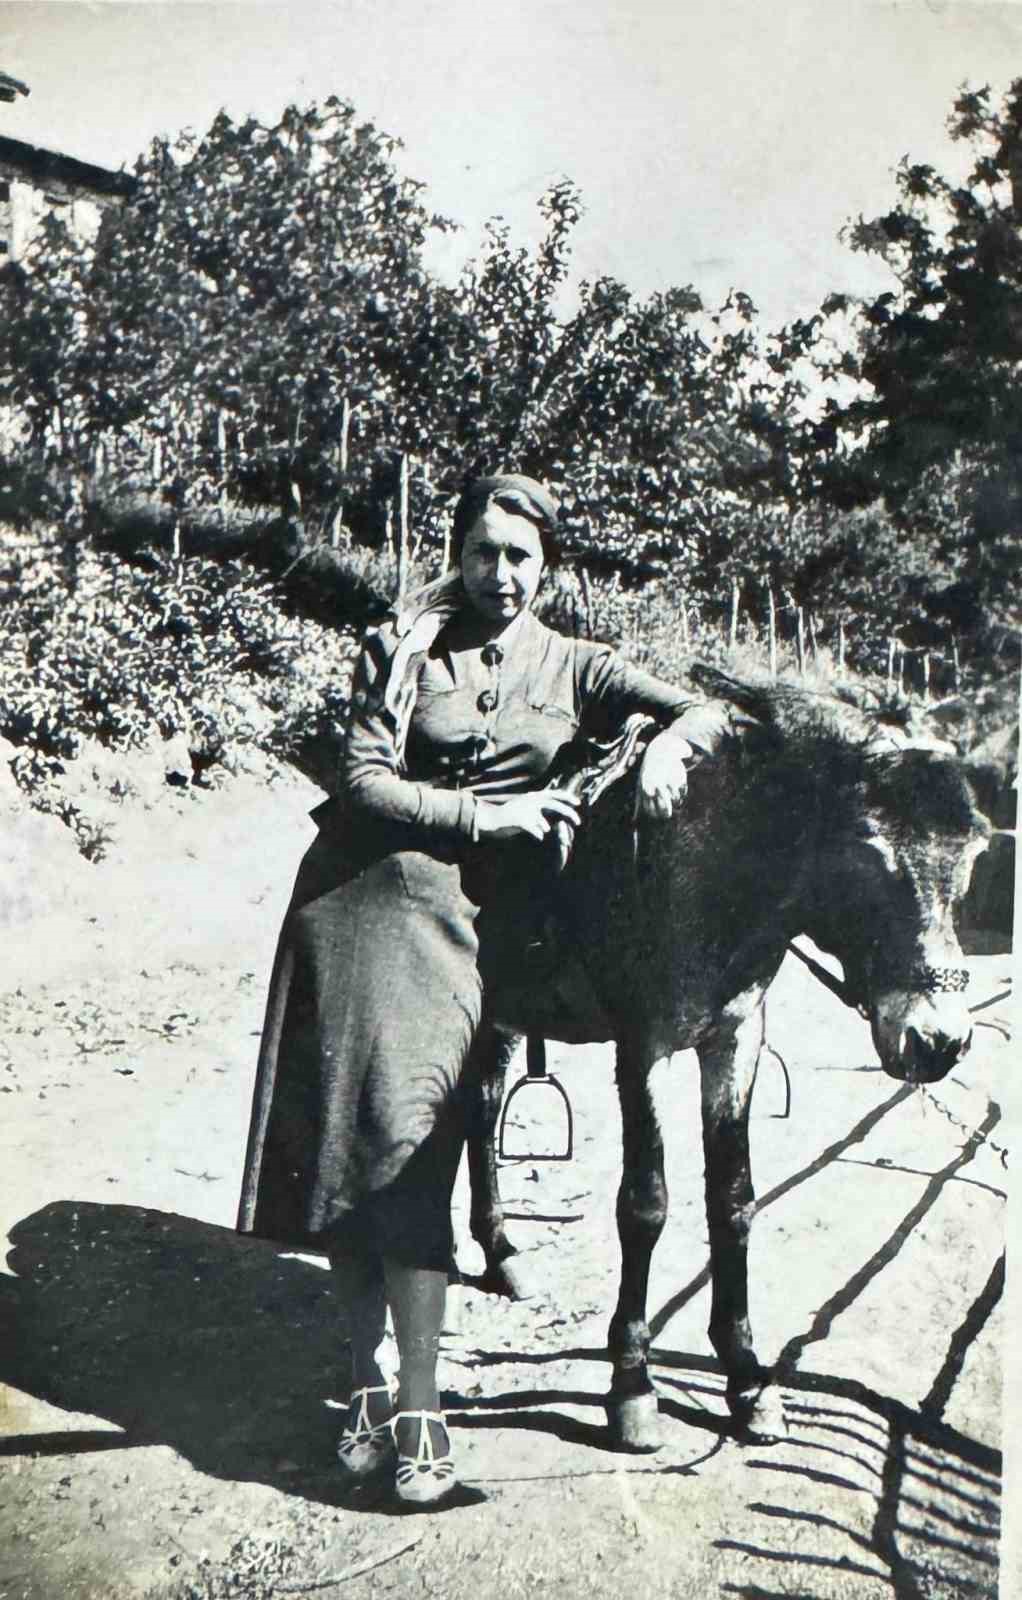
536,1077
368,1446
425,1477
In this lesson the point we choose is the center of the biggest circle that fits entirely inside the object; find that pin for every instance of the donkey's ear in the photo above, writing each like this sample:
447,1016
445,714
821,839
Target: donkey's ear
750,697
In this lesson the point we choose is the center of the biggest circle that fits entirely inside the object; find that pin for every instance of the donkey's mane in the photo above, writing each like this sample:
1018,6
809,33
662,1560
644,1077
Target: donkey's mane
846,746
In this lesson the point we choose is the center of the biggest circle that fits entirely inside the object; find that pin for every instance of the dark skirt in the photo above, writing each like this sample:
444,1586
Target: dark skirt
376,996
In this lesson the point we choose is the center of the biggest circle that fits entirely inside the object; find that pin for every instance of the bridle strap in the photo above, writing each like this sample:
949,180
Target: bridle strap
837,986
921,980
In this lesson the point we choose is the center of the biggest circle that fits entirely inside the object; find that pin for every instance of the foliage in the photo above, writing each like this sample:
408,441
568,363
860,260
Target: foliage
257,279
936,423
92,647
254,335
256,323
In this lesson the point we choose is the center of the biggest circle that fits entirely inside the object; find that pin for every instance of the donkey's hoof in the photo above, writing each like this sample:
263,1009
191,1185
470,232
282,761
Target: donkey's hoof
511,1278
633,1422
757,1414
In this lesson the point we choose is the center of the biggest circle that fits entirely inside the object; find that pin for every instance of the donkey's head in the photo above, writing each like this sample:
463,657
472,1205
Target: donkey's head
894,842
896,854
898,859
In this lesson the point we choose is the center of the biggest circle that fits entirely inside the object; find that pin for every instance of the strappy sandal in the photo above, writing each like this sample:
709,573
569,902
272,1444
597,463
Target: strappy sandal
424,1478
366,1447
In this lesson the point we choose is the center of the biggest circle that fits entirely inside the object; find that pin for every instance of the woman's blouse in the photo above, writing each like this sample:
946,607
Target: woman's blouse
487,722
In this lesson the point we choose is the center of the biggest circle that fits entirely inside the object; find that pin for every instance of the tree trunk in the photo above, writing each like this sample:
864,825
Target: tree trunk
956,665
587,601
892,657
732,627
771,628
841,647
345,426
221,458
811,625
402,531
800,640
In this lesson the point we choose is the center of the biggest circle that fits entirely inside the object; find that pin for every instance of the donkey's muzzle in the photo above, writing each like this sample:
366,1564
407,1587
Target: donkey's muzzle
921,1037
928,1059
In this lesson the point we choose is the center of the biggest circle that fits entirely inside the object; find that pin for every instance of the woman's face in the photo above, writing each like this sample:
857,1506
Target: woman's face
501,564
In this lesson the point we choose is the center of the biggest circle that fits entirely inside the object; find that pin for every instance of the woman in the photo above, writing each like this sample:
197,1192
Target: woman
461,704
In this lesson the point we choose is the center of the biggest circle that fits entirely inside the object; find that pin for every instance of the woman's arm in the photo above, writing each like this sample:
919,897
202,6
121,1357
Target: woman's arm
614,689
371,769
610,689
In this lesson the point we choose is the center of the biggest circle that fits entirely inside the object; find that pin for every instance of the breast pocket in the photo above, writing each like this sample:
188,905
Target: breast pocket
558,713
445,717
537,731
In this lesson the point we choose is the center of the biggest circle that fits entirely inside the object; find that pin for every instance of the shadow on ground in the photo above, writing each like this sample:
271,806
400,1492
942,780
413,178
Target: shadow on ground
183,1334
179,1332
920,1499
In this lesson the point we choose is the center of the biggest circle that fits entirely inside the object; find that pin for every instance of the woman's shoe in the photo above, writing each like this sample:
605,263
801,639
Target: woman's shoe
426,1477
365,1447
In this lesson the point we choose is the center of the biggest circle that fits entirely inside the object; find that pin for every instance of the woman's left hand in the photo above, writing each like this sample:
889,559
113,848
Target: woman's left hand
662,776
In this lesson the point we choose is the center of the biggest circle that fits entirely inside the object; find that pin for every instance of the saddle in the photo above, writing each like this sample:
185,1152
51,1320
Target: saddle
547,993
585,768
551,995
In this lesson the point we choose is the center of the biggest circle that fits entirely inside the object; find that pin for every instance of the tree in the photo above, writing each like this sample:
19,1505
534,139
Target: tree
249,296
937,423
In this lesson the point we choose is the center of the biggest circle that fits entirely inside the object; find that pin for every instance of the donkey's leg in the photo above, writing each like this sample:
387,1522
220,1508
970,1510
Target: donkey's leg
728,1061
491,1053
641,1213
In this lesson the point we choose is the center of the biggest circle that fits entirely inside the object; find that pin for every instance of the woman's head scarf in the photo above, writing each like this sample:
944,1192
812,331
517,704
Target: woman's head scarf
425,612
516,493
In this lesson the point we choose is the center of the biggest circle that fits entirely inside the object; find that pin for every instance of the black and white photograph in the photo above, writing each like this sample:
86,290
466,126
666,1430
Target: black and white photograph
510,642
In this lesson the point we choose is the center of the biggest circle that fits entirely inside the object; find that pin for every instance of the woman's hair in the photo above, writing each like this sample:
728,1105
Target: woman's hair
521,496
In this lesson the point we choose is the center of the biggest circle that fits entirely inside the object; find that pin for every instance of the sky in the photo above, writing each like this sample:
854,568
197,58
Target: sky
716,142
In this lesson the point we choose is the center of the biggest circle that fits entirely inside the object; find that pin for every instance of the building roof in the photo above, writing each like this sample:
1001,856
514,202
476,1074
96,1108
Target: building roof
49,166
10,87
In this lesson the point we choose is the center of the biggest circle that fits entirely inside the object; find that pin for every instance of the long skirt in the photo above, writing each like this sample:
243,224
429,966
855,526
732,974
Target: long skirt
376,996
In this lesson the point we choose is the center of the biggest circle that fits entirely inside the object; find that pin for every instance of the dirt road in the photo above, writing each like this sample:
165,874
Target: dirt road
167,1414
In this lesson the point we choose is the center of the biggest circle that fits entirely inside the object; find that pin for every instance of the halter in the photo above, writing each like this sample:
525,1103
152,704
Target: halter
921,979
918,980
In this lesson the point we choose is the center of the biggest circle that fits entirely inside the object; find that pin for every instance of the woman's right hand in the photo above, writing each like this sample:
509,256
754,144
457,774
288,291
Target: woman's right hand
534,814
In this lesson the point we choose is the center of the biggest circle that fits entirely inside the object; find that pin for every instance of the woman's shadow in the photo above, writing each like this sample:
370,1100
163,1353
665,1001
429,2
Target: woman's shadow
182,1334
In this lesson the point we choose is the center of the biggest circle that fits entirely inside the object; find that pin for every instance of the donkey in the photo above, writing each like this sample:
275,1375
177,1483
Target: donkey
820,820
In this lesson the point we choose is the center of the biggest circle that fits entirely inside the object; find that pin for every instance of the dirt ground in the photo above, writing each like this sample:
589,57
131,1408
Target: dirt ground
169,1392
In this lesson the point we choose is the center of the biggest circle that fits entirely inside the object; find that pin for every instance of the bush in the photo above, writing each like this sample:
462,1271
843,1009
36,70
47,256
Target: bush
94,647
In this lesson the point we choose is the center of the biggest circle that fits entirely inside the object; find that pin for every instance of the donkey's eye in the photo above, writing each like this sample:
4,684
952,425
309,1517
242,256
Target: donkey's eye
867,830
